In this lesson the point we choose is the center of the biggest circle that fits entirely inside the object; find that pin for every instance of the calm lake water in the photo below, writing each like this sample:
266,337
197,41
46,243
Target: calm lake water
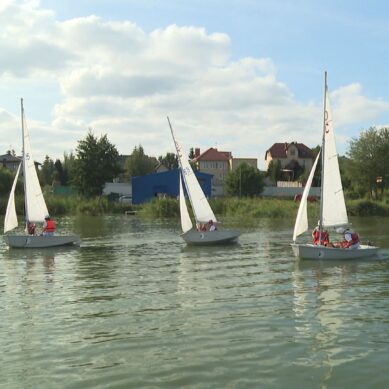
134,307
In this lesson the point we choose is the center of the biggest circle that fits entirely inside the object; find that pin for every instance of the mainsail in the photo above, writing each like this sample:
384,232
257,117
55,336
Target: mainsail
201,208
334,211
36,208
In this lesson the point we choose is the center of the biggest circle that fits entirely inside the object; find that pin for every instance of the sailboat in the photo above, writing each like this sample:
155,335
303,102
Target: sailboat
34,204
201,209
333,213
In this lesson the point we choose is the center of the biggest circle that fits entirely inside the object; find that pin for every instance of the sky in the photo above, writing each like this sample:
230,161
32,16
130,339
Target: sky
235,75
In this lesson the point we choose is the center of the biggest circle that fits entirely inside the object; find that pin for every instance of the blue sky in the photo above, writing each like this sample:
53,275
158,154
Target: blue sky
238,75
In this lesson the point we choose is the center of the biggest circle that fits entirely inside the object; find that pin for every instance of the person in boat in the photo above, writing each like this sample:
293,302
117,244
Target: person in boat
350,239
212,226
30,228
325,238
201,227
49,226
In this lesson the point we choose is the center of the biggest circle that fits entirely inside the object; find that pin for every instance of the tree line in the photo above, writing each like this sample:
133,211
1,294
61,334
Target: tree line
364,168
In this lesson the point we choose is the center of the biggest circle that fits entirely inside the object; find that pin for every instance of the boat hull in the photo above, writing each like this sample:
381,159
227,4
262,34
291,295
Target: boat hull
40,241
310,251
203,238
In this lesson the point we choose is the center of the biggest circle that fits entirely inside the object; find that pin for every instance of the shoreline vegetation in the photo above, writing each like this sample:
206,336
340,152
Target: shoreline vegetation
233,207
259,207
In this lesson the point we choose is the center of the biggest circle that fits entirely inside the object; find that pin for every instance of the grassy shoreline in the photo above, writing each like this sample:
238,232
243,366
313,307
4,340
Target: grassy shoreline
259,207
249,208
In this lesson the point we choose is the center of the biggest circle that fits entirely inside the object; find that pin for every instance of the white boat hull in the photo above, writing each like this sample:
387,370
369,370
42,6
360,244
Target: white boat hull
310,251
204,238
39,241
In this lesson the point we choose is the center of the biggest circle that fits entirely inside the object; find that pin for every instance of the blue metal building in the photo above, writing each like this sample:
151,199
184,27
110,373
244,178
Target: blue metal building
145,188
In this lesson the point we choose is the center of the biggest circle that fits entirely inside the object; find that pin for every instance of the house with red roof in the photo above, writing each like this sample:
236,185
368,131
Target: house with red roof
291,156
215,162
218,163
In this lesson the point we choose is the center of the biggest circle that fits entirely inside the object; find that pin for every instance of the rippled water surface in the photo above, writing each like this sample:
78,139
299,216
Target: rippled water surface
134,307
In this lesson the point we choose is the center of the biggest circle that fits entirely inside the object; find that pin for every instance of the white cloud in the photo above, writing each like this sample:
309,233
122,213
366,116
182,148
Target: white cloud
353,107
117,79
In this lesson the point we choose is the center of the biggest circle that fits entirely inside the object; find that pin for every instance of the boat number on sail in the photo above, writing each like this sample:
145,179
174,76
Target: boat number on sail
187,171
27,156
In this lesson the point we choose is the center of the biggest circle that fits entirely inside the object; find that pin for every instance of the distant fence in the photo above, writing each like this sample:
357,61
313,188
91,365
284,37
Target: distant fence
289,184
62,190
274,191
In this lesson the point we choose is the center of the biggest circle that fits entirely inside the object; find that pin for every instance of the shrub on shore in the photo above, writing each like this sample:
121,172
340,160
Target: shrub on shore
228,207
161,208
237,208
72,205
367,208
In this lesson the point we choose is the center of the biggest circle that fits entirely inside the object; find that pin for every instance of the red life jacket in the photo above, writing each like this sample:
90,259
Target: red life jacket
354,240
324,237
50,226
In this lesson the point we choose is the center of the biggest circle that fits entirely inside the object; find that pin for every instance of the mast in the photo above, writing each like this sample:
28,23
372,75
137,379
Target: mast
178,151
179,155
24,162
322,155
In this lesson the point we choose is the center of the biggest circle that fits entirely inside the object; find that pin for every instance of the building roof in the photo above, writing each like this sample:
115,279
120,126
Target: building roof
213,154
9,158
278,150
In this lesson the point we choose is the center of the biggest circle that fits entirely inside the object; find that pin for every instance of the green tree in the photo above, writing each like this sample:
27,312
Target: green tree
47,170
245,180
95,164
139,164
317,176
68,167
191,153
191,156
274,170
59,173
344,164
6,179
170,161
369,161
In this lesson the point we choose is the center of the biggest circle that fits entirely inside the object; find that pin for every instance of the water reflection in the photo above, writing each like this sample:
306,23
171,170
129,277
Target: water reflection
322,293
199,316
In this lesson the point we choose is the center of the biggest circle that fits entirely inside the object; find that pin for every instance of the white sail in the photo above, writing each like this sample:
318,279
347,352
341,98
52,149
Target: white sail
301,224
186,223
333,205
201,208
11,219
36,208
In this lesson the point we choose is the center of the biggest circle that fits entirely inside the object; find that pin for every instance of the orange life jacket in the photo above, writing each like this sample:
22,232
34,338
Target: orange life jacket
50,226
